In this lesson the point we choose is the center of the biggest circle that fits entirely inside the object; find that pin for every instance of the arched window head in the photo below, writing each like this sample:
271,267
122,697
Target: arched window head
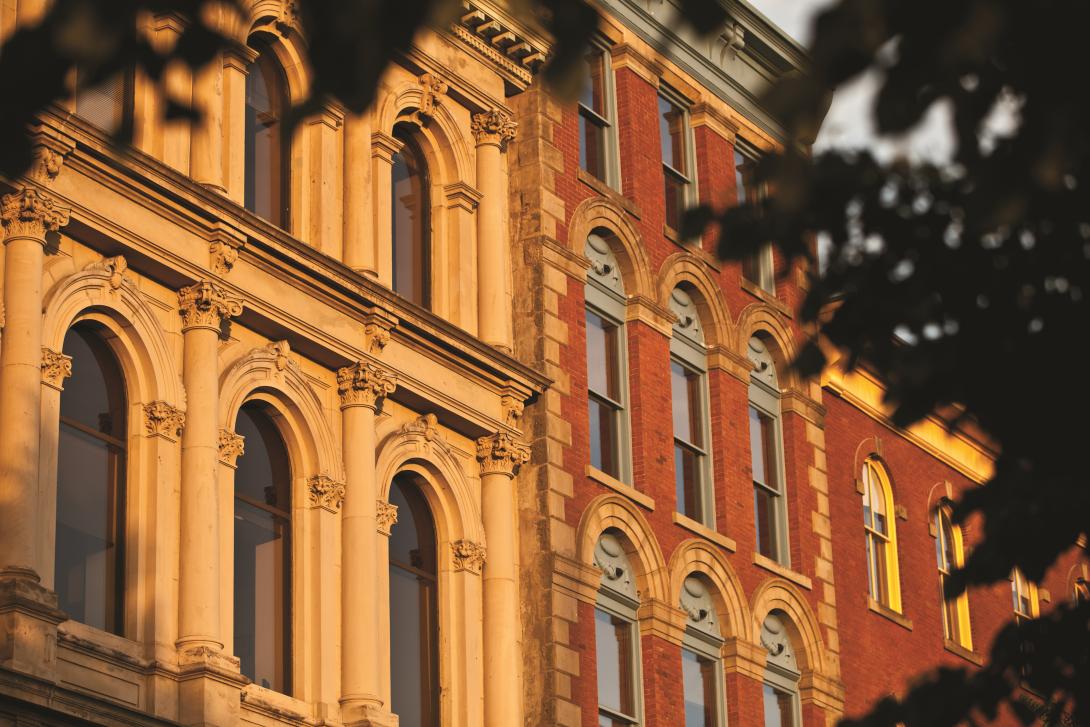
781,687
414,612
616,638
766,455
883,578
949,552
89,557
263,582
701,665
267,154
410,219
689,400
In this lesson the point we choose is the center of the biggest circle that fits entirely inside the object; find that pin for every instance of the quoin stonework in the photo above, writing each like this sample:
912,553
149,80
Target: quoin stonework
430,416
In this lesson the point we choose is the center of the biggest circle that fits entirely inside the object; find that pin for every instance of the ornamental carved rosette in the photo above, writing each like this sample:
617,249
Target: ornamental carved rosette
364,384
163,420
206,305
29,213
468,556
231,446
56,367
385,517
502,454
494,127
325,492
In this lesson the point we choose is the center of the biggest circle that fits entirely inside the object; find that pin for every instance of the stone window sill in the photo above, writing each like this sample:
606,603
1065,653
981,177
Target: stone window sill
619,487
784,572
704,531
969,655
600,187
889,613
758,292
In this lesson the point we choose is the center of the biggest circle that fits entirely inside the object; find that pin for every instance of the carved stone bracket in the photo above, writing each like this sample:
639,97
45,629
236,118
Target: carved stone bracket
512,406
385,516
364,384
325,492
501,453
284,360
163,420
223,254
115,267
377,325
30,213
231,447
56,367
432,89
426,426
468,556
494,127
206,305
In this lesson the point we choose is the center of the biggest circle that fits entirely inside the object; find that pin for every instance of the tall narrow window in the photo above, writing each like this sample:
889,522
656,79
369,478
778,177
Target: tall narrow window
411,226
267,160
948,551
701,666
1023,595
263,551
607,386
781,687
414,614
675,138
616,638
883,582
597,134
689,396
89,563
766,455
107,105
757,267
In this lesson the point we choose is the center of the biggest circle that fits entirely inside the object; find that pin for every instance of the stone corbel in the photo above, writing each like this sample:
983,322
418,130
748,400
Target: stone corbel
468,556
231,446
56,367
326,493
377,325
50,150
223,249
512,404
163,420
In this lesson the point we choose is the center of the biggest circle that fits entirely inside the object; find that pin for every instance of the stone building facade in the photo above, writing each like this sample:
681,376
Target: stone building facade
369,425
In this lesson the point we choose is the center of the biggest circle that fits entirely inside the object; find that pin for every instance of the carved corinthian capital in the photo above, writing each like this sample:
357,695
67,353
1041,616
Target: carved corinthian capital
386,516
468,556
163,420
364,384
326,492
206,305
494,127
231,447
30,213
56,367
501,453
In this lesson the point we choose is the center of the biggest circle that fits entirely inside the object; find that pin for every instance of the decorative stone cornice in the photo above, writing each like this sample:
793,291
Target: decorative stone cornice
364,384
385,517
206,305
30,214
432,88
163,420
468,556
494,127
325,492
56,367
231,446
505,46
501,453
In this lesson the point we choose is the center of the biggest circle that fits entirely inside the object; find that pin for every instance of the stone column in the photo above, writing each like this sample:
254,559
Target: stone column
383,148
493,130
362,387
500,456
203,307
359,245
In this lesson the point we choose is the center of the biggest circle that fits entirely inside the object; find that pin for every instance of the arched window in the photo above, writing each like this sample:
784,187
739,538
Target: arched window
701,666
607,369
616,638
766,455
89,560
267,158
692,426
1024,596
411,221
781,686
950,555
263,551
883,578
414,613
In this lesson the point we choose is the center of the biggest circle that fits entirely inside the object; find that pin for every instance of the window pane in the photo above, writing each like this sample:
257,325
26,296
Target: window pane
672,135
765,517
603,437
592,140
594,96
409,218
779,708
740,172
613,644
762,448
675,198
603,375
687,482
699,679
876,569
683,403
266,164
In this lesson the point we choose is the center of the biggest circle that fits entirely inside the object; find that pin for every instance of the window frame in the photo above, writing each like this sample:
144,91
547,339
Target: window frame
693,358
690,193
620,606
782,679
273,71
890,576
766,400
608,122
762,261
411,145
964,635
706,646
1030,593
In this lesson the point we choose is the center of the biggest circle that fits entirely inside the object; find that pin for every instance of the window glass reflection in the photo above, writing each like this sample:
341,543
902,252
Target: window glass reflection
616,678
779,707
409,218
698,676
266,161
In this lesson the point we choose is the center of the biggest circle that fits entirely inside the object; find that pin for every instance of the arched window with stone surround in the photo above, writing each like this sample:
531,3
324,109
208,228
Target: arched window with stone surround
262,537
267,165
689,403
950,554
607,365
410,219
766,455
701,665
782,674
414,612
617,636
89,557
880,533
